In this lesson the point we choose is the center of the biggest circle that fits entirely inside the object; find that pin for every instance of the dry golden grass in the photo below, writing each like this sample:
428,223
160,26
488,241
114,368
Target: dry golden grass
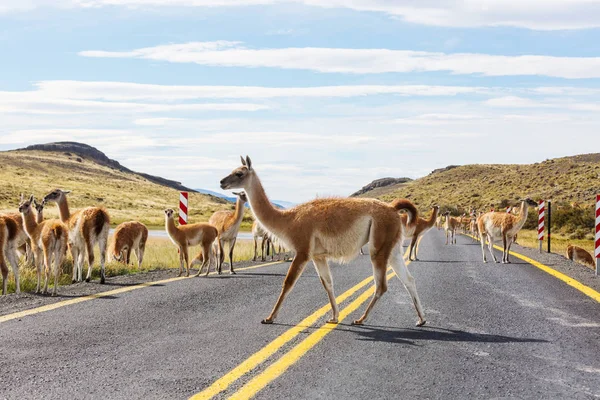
160,254
528,238
565,180
126,196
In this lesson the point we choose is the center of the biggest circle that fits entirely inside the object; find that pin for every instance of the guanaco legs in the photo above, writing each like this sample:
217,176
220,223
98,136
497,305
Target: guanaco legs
228,225
332,229
450,226
184,236
48,242
497,225
258,233
87,227
417,230
129,236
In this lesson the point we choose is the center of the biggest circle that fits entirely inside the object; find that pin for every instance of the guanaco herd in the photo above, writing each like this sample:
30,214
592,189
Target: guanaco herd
320,230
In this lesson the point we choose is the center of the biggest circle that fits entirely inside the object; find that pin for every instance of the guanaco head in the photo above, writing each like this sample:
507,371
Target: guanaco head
239,176
120,256
169,213
242,196
56,195
39,207
25,205
530,202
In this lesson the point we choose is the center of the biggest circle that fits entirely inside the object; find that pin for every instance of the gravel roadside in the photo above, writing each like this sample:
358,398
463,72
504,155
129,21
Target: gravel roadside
579,272
12,303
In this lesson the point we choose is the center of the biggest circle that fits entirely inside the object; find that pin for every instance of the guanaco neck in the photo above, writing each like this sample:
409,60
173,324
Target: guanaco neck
63,209
171,228
522,215
29,223
432,218
39,218
268,216
239,211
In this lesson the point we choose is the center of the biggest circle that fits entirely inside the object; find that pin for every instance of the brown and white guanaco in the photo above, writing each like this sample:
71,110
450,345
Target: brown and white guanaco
48,242
184,236
87,227
332,229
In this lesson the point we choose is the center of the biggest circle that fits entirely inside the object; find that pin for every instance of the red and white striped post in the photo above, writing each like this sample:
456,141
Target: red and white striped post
597,247
183,208
541,217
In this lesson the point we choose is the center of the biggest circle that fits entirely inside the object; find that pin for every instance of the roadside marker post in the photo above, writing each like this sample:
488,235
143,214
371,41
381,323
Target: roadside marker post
541,214
183,208
549,224
597,242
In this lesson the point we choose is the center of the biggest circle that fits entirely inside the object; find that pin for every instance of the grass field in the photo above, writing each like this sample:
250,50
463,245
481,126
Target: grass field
126,196
528,238
160,254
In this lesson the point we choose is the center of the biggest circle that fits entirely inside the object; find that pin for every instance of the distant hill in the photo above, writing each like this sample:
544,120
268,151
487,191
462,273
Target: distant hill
95,179
380,183
92,153
564,180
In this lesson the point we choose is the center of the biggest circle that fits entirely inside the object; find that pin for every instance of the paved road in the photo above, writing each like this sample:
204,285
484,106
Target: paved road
493,331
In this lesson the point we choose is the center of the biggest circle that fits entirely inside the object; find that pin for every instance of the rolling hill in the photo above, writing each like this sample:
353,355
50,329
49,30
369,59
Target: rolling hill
95,179
564,180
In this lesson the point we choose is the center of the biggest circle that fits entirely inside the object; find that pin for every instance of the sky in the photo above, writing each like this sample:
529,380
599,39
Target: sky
324,96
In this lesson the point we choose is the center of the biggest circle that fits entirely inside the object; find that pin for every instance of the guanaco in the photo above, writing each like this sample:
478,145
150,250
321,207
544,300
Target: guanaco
129,236
48,242
228,226
417,230
497,225
332,229
87,227
184,236
580,255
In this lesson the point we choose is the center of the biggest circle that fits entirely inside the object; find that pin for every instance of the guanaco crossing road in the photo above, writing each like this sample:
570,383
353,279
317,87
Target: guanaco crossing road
493,331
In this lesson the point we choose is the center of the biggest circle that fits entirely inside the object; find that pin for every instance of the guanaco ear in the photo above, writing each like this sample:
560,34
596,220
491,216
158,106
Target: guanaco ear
35,203
66,191
21,197
236,193
243,161
248,163
31,198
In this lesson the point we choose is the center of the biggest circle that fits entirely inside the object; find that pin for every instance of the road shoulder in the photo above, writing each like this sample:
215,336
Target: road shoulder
13,303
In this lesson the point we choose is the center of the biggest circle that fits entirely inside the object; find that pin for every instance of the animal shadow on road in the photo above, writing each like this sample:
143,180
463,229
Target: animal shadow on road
409,336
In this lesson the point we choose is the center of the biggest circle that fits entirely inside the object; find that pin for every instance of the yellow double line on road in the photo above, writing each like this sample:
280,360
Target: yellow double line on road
108,293
276,369
588,291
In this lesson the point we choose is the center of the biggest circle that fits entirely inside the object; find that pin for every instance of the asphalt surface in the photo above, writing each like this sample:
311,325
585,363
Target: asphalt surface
493,331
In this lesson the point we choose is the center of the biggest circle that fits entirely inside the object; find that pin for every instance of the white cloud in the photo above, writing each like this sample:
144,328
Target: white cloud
39,102
361,61
119,91
437,119
531,14
558,103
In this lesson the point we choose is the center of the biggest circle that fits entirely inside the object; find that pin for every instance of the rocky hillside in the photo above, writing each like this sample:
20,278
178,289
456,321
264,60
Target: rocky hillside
95,179
84,151
380,183
565,180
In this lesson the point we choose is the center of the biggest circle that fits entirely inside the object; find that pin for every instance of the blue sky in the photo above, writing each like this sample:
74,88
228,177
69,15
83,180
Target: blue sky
325,96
